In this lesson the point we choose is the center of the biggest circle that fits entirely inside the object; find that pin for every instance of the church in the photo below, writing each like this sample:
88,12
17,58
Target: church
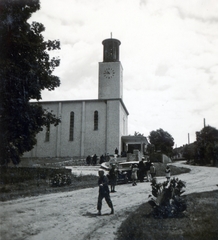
88,127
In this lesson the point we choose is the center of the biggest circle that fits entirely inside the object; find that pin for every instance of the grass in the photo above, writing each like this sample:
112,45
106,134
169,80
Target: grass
35,187
14,185
198,222
160,168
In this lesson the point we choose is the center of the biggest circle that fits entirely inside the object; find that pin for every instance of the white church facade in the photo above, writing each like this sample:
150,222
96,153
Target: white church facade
89,126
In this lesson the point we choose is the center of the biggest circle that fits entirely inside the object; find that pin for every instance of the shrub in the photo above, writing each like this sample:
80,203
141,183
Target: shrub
166,200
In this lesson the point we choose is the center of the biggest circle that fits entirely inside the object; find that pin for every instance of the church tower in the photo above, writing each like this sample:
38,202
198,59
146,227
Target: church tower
110,82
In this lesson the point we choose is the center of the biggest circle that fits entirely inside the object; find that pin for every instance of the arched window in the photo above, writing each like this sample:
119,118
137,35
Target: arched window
96,120
47,133
71,126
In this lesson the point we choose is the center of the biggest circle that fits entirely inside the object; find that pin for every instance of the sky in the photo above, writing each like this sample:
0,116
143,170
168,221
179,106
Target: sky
169,54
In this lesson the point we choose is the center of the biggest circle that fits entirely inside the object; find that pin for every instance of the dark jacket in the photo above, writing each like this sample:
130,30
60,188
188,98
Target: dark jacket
103,185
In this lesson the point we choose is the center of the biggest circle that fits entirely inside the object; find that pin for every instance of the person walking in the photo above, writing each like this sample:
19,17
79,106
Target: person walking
103,192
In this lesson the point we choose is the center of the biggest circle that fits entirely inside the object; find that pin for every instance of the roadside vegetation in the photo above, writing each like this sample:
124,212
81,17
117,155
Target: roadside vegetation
198,222
25,181
204,151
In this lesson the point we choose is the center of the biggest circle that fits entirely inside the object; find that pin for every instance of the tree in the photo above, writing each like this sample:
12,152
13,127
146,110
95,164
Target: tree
25,70
138,134
207,145
189,151
162,141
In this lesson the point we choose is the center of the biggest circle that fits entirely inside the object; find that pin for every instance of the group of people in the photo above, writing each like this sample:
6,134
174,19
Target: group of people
103,181
147,170
91,160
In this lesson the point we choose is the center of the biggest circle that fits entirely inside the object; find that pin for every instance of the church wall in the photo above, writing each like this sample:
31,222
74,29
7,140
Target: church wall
94,140
67,147
113,128
46,148
123,122
87,141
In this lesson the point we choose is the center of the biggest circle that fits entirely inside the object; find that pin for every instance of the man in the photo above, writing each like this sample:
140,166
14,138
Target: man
103,192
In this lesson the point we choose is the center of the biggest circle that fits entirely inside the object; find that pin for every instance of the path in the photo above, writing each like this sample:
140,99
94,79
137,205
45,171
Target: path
72,215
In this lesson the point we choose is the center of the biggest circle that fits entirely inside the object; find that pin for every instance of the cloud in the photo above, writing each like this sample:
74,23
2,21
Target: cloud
168,52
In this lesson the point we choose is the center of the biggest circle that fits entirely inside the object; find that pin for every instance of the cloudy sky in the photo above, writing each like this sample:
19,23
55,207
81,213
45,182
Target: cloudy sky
169,53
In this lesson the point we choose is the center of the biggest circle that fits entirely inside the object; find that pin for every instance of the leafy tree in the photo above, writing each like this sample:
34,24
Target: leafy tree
138,134
207,144
25,70
189,151
162,141
150,148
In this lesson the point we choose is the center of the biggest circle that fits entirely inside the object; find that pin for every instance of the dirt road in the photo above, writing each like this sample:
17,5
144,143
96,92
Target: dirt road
72,215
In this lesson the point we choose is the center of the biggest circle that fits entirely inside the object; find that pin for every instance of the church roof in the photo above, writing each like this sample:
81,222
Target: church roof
134,139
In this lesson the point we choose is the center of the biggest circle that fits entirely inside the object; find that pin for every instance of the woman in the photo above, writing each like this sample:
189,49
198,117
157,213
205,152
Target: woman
134,174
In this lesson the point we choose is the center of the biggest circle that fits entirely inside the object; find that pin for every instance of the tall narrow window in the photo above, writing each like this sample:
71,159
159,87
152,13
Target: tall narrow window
47,133
96,120
71,126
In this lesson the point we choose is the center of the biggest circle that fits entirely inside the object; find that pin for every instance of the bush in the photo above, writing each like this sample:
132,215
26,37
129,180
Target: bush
12,175
166,200
198,222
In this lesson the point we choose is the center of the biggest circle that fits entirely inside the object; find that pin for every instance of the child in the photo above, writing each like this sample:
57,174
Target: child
167,171
113,177
103,192
134,174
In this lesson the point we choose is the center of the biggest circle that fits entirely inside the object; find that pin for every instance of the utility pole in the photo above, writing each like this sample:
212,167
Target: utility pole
188,139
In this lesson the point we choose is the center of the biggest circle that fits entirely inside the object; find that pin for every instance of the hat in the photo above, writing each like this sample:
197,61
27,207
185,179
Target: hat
100,170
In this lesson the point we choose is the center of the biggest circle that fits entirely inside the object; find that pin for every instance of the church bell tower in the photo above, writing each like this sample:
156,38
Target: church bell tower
110,80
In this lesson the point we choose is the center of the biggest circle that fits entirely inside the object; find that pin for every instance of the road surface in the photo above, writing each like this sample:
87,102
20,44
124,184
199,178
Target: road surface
72,215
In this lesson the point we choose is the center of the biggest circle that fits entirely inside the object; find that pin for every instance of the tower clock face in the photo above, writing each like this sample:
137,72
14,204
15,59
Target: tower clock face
109,73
